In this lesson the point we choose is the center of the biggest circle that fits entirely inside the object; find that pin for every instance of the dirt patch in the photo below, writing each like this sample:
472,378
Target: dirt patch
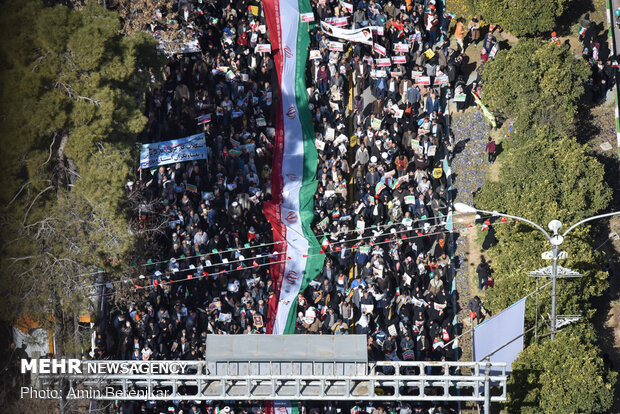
493,171
598,132
613,322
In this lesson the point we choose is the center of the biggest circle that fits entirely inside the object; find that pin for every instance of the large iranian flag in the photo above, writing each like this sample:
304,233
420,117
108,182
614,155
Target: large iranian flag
290,212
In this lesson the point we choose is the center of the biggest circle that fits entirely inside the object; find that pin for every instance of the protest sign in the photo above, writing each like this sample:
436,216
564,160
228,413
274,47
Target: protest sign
376,124
367,308
362,35
336,46
353,141
348,6
315,54
441,80
329,133
379,49
401,47
173,151
263,48
423,80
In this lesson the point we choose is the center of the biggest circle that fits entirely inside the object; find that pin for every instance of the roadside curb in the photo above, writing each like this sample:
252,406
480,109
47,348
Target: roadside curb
612,43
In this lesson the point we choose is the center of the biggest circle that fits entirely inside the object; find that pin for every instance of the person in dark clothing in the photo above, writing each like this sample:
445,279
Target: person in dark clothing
484,271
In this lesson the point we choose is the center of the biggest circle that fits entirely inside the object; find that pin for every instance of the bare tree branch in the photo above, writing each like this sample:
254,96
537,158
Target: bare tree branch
51,145
18,193
33,201
73,94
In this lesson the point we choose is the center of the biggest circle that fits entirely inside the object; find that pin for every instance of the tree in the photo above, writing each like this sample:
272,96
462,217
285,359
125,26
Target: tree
139,15
566,375
521,17
545,178
536,83
518,252
72,93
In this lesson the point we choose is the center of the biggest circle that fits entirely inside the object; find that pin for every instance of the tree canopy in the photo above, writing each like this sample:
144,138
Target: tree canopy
521,17
566,375
518,252
72,91
548,177
538,84
542,179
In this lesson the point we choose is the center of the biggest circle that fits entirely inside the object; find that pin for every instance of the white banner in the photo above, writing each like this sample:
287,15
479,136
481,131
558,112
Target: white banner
363,35
337,21
501,337
173,151
383,62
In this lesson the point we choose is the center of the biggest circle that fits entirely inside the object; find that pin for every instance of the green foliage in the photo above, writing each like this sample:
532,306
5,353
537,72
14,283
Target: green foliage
542,179
521,17
566,375
518,252
538,84
545,178
72,91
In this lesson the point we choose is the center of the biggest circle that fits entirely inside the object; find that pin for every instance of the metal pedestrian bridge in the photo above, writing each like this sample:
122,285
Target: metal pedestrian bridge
299,380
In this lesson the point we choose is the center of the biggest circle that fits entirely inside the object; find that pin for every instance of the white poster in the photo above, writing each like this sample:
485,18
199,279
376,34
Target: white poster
362,35
173,151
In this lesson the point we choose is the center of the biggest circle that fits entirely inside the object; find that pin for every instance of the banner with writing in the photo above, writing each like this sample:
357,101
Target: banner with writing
337,21
362,35
173,151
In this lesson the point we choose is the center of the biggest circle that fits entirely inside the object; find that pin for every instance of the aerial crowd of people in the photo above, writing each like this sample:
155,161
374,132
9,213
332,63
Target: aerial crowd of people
381,120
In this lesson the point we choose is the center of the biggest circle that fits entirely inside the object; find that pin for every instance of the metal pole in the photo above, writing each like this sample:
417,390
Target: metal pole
487,388
554,276
536,322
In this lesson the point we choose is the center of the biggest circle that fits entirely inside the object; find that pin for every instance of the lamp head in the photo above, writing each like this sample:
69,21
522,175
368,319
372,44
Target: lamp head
555,226
464,208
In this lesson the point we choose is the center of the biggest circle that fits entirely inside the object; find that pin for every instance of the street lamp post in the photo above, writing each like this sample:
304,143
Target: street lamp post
555,241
